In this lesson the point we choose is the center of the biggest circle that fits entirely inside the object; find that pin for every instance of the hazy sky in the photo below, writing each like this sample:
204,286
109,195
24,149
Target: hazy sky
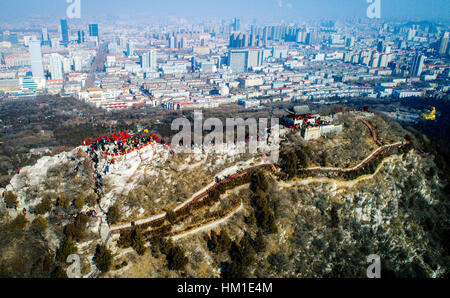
425,9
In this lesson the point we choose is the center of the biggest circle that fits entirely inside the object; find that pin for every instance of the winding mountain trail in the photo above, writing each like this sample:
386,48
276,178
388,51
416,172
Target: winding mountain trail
209,226
205,190
339,183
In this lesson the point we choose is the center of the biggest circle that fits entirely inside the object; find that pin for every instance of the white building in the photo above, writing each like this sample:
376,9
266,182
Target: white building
37,67
407,93
148,60
249,103
56,67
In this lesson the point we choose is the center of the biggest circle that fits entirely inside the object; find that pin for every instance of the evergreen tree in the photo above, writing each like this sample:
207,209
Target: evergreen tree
103,258
260,243
44,206
176,258
259,181
10,199
139,242
67,248
113,214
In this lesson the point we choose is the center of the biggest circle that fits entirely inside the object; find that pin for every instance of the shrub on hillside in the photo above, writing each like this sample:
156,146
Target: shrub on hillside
292,161
259,181
18,224
260,242
113,214
76,230
103,258
67,248
79,202
166,246
44,206
63,201
288,162
176,259
138,241
171,216
242,257
264,215
125,239
10,199
219,242
39,223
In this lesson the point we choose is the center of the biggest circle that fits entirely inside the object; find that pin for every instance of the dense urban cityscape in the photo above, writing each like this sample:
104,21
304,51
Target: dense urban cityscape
110,167
205,65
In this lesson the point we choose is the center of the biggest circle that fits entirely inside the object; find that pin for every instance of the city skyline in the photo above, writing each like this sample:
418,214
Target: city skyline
244,9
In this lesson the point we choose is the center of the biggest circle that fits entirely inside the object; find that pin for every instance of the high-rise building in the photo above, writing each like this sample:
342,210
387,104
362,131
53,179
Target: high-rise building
238,60
243,60
300,36
290,34
252,42
148,60
239,40
311,38
236,24
77,64
280,52
443,45
93,30
364,58
380,46
255,57
181,43
44,34
402,45
56,67
145,61
411,33
375,59
265,34
384,60
13,38
130,48
81,38
350,42
175,41
37,67
277,32
172,42
121,41
64,32
417,66
26,40
45,37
